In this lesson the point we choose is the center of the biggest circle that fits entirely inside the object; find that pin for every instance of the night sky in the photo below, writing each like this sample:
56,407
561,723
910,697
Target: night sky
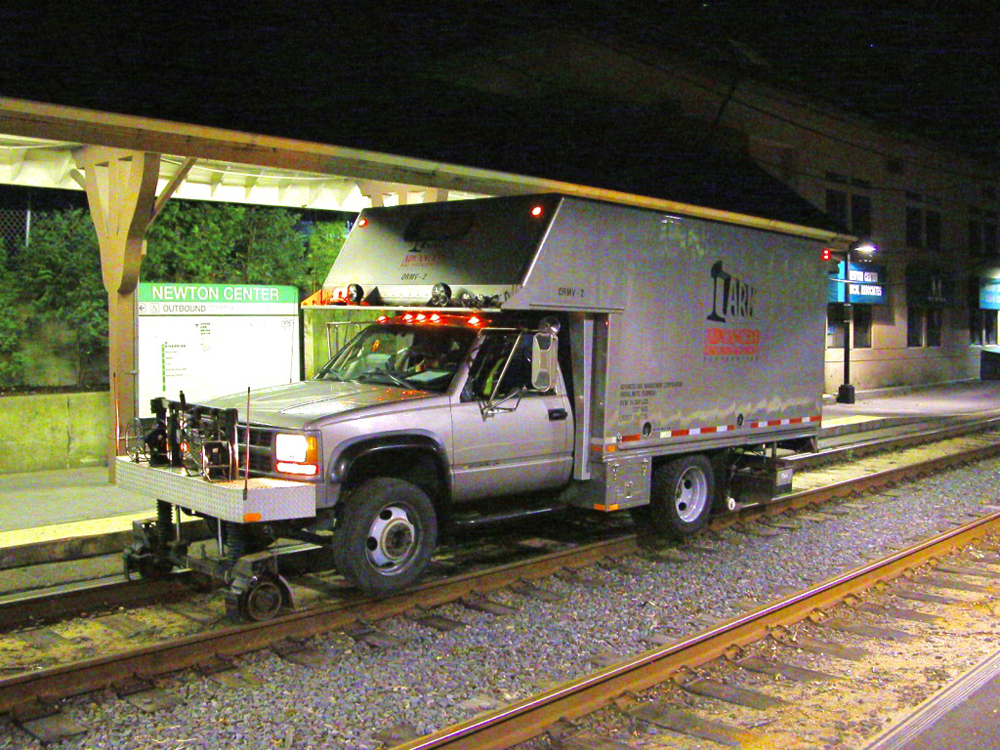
316,69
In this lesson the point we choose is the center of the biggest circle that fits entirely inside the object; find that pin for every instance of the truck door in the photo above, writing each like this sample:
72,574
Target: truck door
508,437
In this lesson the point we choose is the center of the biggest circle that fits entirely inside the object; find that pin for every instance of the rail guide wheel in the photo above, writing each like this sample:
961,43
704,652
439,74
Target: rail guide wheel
257,592
261,601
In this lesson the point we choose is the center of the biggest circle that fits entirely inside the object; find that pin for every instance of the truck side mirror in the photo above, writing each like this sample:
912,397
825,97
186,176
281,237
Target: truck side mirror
544,356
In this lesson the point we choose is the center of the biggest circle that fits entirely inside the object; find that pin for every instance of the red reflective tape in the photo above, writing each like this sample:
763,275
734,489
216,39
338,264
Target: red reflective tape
630,438
680,433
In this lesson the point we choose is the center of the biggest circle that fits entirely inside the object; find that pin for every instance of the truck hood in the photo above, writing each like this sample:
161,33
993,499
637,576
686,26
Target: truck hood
298,405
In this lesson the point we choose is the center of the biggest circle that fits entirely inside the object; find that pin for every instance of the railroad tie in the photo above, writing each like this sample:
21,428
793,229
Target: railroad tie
710,688
692,725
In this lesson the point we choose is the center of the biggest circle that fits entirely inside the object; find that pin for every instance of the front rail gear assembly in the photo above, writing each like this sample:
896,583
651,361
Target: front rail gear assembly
199,441
255,589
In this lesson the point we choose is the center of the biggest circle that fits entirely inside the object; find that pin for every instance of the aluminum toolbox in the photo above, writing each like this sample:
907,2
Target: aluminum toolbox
262,499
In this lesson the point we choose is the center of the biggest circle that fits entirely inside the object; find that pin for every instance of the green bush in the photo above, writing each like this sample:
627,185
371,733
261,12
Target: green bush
56,278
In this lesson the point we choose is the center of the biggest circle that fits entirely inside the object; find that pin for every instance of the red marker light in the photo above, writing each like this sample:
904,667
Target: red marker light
362,222
435,318
421,317
381,319
474,321
408,317
537,211
827,254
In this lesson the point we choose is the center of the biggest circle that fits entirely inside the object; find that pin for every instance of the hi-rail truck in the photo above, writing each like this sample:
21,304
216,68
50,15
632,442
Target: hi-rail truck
600,356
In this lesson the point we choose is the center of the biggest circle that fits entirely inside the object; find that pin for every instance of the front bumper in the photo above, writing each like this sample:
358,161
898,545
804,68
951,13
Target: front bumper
260,500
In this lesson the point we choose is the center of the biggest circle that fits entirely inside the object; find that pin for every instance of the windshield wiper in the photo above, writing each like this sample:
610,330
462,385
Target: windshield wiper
391,376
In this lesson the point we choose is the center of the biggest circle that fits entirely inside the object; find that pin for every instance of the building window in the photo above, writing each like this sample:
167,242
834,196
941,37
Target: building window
862,338
835,325
923,326
976,238
924,226
983,234
914,326
975,326
851,210
933,327
990,237
836,206
914,227
861,215
932,230
982,327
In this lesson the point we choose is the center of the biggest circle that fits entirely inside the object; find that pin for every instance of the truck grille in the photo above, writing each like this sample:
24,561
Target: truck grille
261,449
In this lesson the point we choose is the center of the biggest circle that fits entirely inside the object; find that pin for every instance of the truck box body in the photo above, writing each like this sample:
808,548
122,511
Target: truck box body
709,333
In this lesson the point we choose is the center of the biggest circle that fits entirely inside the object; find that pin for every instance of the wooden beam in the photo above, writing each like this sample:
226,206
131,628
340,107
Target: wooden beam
171,187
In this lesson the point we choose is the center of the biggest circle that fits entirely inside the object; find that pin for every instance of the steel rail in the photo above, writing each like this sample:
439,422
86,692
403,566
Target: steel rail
926,433
189,651
98,673
530,717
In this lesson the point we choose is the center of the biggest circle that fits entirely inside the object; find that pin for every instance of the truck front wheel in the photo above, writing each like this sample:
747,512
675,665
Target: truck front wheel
385,535
682,495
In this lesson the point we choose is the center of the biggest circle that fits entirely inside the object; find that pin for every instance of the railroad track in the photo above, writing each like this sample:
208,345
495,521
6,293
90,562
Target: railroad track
353,615
550,712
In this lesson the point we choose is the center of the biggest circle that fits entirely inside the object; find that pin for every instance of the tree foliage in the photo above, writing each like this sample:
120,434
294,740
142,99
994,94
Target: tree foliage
60,277
11,326
227,244
57,276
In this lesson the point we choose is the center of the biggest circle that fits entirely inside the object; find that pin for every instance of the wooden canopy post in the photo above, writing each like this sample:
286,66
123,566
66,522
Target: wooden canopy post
121,192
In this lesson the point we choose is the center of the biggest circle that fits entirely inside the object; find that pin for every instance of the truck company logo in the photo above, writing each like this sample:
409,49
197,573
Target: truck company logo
733,302
735,299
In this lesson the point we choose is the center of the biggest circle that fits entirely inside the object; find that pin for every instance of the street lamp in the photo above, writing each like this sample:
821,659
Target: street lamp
864,248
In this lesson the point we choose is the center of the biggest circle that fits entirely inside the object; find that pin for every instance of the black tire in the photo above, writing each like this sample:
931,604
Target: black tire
385,536
682,496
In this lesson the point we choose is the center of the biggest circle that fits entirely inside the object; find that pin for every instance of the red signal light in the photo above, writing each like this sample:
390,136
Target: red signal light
537,211
827,254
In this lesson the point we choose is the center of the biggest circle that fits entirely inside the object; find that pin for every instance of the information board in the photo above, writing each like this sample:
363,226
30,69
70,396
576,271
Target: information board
211,340
865,283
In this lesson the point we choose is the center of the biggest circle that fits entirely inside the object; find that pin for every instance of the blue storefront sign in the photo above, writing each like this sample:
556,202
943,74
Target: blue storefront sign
865,284
989,294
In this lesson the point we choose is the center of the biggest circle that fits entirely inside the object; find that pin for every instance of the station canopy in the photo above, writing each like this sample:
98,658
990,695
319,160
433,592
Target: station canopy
43,163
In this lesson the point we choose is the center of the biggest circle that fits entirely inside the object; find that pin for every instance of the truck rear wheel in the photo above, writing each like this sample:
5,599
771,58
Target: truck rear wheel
682,495
385,535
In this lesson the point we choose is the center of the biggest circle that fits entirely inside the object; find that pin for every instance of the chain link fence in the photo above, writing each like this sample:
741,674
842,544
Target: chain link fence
14,223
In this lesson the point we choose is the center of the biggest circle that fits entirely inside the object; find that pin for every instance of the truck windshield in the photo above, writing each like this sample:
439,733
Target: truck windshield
410,356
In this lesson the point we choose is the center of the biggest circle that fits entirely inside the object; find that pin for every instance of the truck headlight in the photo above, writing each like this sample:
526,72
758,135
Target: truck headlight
296,454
